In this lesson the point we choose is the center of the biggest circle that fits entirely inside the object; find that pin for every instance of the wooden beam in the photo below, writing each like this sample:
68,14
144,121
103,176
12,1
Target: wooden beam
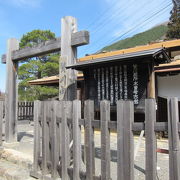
77,39
11,93
40,49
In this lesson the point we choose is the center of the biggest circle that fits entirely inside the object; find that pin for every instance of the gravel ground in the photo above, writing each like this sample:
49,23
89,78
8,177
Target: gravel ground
25,137
139,170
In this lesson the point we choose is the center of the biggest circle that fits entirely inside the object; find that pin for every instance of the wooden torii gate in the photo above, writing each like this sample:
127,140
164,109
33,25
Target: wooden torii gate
67,44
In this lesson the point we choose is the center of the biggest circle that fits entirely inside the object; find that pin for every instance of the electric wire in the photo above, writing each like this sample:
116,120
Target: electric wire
136,26
110,29
141,23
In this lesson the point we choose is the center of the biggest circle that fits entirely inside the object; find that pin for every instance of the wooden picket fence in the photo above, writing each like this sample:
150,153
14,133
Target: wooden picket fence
58,152
25,110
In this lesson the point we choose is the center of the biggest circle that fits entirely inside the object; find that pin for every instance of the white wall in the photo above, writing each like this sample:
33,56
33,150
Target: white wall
169,86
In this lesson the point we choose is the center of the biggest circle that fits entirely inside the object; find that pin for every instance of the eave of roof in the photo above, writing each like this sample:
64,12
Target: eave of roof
47,80
121,57
167,70
52,80
165,44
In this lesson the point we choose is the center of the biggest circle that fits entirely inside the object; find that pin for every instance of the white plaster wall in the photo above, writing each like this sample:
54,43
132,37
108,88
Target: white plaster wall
169,86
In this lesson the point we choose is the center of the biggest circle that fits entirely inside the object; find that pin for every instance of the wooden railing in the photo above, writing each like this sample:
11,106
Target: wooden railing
58,146
25,110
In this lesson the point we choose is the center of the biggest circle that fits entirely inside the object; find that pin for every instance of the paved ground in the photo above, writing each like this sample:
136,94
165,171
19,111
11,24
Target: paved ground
25,147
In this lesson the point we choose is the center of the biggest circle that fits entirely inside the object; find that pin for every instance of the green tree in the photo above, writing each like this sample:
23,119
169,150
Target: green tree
174,24
38,67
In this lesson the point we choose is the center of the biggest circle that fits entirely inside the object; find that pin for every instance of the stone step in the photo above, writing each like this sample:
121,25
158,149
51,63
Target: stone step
14,165
11,171
16,157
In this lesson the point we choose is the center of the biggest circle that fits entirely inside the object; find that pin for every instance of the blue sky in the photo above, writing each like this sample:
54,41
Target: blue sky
106,20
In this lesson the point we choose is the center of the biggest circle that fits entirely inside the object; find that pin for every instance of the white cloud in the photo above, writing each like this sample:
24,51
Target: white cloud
121,16
23,3
134,12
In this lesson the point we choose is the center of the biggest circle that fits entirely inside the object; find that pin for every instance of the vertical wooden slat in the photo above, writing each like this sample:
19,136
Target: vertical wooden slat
69,137
18,110
44,139
51,134
24,110
76,139
32,109
150,119
64,142
1,120
37,118
173,137
125,145
59,128
105,140
89,139
55,154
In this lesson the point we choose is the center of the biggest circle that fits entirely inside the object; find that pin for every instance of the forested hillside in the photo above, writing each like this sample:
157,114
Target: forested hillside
155,34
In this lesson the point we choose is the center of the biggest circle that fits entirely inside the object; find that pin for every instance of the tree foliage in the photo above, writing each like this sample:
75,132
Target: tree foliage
174,24
36,68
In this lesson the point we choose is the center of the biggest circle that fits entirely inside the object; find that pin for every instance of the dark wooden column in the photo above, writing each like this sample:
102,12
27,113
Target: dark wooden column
90,85
151,91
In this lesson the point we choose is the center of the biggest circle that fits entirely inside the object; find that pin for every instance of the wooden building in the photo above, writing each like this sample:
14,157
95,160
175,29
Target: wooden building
134,73
123,76
54,81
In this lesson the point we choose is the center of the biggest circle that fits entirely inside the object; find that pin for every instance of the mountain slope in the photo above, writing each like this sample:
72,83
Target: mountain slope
155,34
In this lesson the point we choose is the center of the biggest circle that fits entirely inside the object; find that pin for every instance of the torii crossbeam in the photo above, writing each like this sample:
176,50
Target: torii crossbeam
67,44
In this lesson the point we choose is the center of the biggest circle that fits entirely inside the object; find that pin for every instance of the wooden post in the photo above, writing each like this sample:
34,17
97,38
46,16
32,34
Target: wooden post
45,138
1,120
125,144
173,136
150,119
64,142
89,139
11,93
105,140
37,118
76,139
68,56
55,152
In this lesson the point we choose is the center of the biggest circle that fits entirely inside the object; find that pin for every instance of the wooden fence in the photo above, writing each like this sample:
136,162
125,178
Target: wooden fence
25,110
58,148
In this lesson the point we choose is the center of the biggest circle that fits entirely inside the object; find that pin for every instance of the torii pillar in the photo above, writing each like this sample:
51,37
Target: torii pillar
70,40
68,78
11,93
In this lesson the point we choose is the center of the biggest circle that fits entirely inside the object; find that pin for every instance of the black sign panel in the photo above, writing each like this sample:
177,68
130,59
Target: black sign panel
121,82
